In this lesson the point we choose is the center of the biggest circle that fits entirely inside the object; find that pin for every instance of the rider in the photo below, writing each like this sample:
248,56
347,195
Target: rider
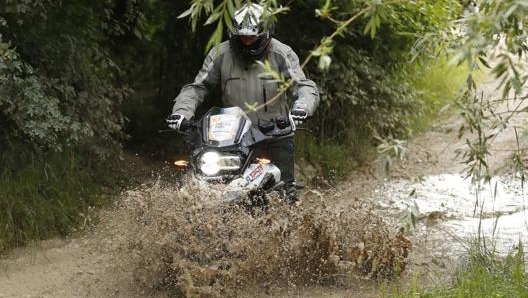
232,67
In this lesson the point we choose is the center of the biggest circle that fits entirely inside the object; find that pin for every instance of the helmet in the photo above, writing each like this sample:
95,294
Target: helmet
248,23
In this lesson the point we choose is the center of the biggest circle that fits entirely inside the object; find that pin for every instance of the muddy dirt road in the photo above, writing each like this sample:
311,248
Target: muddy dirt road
145,247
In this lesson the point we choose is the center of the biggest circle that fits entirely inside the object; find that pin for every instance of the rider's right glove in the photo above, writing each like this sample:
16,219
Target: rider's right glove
174,121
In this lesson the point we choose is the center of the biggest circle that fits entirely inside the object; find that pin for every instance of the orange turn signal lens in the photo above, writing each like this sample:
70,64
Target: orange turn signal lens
263,161
181,163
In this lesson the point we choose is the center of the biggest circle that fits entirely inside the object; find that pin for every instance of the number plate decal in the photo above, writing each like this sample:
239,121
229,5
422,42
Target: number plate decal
255,173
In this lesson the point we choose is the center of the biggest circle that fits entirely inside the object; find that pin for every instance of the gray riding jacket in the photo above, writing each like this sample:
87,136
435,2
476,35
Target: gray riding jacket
246,85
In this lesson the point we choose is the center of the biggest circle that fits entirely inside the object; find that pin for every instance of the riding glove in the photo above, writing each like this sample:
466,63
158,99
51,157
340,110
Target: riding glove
298,116
174,121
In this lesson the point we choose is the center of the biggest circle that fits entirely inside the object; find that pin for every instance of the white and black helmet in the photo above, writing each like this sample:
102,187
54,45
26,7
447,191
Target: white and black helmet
248,21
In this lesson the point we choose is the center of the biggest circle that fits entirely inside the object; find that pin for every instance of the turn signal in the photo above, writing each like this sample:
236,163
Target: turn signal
263,161
181,163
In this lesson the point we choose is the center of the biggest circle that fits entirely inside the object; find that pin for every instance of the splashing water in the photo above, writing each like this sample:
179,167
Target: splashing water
454,212
190,242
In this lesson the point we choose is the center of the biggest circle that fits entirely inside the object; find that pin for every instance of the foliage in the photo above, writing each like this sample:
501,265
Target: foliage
48,194
222,14
493,38
432,88
71,72
329,161
59,115
364,100
56,86
437,85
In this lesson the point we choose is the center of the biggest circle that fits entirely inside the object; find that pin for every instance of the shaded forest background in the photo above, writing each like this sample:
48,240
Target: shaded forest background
83,83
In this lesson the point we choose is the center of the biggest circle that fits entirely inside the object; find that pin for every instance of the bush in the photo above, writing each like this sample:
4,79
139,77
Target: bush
362,102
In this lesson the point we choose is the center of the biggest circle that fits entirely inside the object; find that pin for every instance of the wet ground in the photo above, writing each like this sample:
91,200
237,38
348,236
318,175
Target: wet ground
452,212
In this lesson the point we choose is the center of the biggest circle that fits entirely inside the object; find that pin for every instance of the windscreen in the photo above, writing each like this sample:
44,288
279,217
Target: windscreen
224,126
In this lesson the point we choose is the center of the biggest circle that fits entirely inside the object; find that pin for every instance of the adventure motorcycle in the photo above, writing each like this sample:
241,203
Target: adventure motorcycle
223,146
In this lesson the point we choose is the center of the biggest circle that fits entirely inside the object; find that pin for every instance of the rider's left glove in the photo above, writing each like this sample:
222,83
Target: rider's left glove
174,121
298,116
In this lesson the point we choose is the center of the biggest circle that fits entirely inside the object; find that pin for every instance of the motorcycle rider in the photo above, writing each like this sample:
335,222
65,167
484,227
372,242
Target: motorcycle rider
232,67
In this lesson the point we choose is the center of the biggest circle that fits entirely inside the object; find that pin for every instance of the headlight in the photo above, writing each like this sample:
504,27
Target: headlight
211,163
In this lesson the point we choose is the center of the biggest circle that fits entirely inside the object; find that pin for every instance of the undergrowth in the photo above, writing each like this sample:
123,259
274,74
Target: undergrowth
48,194
438,84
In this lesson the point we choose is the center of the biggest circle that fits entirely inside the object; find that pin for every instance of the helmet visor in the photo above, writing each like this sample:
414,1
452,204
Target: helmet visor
247,30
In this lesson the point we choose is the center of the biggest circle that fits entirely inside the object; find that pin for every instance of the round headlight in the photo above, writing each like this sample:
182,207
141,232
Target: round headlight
209,163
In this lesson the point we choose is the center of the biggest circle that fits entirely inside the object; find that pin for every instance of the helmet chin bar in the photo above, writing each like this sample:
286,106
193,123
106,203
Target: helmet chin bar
255,51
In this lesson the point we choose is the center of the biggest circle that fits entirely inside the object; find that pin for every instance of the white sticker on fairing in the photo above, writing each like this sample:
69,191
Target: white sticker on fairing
223,127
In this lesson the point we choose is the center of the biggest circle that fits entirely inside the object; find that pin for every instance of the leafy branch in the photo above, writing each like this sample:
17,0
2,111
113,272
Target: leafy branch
495,40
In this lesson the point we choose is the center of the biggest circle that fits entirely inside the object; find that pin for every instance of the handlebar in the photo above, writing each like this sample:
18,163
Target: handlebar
187,125
277,125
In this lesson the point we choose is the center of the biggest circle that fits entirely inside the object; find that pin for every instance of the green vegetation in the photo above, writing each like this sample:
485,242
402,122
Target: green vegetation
438,84
60,123
375,93
49,194
486,275
495,40
411,105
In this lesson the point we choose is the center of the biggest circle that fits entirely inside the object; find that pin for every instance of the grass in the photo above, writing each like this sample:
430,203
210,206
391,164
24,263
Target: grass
438,85
486,274
42,195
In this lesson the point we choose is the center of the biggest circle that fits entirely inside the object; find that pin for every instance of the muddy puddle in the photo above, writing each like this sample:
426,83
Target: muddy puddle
187,241
449,212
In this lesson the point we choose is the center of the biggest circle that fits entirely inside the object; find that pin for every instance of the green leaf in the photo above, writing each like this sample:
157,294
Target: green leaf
212,18
216,37
471,85
484,62
506,89
228,19
231,8
186,13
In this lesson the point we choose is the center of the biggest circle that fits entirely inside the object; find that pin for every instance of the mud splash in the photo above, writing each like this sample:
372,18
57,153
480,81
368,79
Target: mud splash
190,243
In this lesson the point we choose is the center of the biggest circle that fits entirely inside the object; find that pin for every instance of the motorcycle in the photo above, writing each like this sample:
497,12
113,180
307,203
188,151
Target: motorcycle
223,151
